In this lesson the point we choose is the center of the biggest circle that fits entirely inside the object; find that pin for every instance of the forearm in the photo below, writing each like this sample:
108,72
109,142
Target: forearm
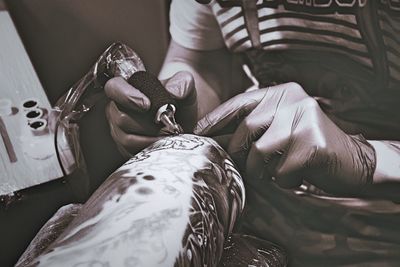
386,178
210,69
387,161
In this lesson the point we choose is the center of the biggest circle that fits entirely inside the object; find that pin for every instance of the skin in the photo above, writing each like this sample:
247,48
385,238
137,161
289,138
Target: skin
172,204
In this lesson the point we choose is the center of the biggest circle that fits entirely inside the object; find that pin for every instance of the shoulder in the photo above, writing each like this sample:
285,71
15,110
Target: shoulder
194,25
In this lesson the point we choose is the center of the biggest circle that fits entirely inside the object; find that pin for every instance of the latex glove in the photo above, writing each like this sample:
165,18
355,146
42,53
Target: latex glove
131,126
283,133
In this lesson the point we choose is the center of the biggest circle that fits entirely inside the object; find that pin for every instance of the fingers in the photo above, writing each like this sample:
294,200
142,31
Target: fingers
131,127
259,120
248,132
264,143
182,87
126,95
131,143
141,124
275,154
232,111
265,153
290,171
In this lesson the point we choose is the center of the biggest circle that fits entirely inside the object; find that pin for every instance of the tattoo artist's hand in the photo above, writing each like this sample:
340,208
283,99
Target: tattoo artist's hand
131,125
282,133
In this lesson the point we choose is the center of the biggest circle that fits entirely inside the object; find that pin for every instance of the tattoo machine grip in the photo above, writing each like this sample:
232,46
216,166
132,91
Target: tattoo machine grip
163,106
150,86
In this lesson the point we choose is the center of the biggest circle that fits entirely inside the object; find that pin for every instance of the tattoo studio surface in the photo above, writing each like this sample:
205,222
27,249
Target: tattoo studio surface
173,204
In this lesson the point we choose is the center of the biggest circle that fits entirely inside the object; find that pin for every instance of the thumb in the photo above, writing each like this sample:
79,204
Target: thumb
181,86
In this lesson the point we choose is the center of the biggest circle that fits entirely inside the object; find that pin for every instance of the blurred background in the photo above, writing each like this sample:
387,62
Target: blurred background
63,39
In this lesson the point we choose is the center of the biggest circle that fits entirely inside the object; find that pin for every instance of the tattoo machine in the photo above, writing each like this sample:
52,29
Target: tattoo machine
118,60
122,61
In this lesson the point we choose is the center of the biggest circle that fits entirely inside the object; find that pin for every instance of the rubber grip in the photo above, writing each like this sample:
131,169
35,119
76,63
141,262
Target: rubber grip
149,85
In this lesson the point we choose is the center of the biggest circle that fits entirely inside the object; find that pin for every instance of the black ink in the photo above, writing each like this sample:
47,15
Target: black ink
144,191
184,142
149,177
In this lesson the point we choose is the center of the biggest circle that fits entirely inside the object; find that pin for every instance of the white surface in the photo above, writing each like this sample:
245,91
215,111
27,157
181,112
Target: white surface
5,107
18,82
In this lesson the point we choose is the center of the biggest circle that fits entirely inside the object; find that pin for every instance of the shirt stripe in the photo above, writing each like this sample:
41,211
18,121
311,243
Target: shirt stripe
281,29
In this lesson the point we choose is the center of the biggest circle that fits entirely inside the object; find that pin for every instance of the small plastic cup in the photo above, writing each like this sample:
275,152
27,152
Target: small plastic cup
33,115
38,126
29,104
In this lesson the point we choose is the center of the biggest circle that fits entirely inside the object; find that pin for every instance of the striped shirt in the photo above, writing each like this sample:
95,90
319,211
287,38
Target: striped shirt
366,31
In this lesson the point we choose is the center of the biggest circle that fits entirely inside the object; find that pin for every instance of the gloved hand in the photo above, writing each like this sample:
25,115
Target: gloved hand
283,133
132,127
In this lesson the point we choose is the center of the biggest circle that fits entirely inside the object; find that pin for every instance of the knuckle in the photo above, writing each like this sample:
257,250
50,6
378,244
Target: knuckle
248,123
292,86
111,83
295,85
296,89
310,103
310,118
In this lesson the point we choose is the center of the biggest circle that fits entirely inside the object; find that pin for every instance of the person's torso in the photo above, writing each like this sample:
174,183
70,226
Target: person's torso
368,32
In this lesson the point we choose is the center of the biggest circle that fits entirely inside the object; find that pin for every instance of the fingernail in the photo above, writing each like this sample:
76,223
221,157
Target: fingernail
140,102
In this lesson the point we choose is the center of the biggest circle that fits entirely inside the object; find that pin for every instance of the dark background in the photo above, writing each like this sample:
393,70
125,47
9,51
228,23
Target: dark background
64,37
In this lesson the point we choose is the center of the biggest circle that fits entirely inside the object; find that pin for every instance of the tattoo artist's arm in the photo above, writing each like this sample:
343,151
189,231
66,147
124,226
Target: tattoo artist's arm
386,179
387,161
